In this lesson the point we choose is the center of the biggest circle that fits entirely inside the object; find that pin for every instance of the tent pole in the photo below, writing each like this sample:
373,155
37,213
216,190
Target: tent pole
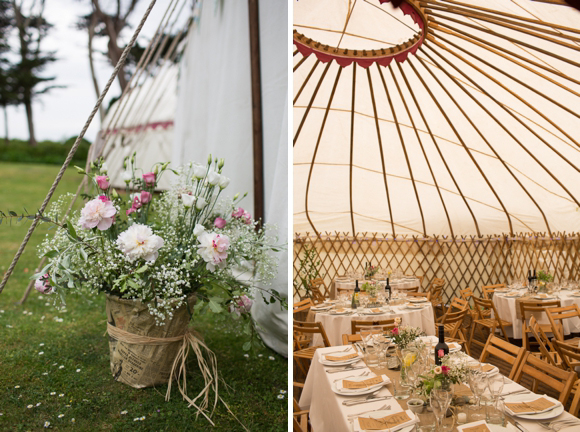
258,149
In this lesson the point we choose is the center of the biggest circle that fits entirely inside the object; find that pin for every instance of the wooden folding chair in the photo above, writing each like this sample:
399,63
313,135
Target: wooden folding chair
560,314
436,294
302,306
575,405
418,294
490,322
527,309
547,350
349,339
570,354
541,371
503,350
452,322
409,290
302,353
466,294
457,304
300,416
488,290
387,324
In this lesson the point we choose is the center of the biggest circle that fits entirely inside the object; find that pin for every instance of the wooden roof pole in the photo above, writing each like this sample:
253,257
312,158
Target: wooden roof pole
482,135
437,145
311,102
306,80
316,148
257,129
352,146
512,93
463,143
380,142
421,144
526,149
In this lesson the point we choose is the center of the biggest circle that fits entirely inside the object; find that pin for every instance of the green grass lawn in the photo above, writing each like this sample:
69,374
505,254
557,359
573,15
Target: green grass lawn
58,362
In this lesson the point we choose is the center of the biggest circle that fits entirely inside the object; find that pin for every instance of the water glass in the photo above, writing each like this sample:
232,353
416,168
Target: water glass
439,401
495,384
495,413
401,391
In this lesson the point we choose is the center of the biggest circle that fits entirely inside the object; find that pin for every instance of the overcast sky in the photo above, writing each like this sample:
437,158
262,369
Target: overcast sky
62,113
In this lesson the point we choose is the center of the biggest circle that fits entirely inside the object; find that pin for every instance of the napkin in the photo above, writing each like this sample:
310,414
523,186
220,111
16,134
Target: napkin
478,426
535,406
484,368
392,423
371,382
340,358
376,310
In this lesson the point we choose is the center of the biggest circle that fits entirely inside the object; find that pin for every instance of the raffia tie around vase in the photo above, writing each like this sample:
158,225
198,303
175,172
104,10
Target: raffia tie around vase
144,354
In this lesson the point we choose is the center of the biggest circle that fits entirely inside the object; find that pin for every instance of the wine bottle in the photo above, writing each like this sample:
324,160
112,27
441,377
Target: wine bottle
388,291
529,278
355,296
441,349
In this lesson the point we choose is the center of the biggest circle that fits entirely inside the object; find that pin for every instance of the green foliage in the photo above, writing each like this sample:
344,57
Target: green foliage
46,152
91,396
545,276
309,269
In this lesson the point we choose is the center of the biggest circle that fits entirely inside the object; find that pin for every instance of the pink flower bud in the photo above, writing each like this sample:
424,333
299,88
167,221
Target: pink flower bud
131,210
149,179
136,203
103,182
42,284
219,222
104,198
145,197
238,213
247,218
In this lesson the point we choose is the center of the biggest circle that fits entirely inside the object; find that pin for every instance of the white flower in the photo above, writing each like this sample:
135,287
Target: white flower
38,404
127,176
198,229
29,406
61,367
41,353
139,242
61,395
41,344
99,213
46,424
224,182
124,412
78,370
60,415
52,393
280,396
271,358
397,320
199,171
283,391
16,387
104,168
188,200
213,248
200,203
213,178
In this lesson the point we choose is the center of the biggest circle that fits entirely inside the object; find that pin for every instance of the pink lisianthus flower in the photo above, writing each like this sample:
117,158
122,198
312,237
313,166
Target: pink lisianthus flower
247,218
137,202
395,331
102,182
219,222
42,284
445,370
213,248
242,305
238,213
149,179
131,210
99,213
145,197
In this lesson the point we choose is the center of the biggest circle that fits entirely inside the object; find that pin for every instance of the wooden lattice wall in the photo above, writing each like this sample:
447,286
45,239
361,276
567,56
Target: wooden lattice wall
462,261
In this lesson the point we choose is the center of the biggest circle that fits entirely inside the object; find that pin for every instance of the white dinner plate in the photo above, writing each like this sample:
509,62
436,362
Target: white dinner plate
543,298
343,312
337,387
555,412
370,312
417,300
492,427
320,308
414,306
380,414
339,363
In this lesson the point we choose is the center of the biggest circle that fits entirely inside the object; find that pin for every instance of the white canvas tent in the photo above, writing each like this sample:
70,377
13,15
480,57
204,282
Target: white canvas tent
441,118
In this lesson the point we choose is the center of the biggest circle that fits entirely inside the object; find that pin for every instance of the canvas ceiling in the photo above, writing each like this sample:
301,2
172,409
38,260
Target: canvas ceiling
475,133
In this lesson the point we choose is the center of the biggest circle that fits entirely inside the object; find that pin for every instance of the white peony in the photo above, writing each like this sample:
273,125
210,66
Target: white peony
188,200
138,241
213,248
213,178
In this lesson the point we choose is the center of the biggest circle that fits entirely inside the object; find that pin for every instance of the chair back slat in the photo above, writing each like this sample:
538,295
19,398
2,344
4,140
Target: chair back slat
489,290
355,325
560,314
505,351
569,353
310,328
544,343
302,306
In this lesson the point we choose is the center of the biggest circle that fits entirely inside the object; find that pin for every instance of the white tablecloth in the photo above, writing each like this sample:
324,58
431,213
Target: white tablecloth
506,308
328,414
350,284
337,325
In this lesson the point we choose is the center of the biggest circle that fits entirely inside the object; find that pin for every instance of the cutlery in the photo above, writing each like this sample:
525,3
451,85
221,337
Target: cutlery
350,376
345,369
370,398
521,427
384,407
516,392
336,352
561,423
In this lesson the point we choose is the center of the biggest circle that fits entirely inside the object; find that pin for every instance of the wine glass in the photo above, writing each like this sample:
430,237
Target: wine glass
439,401
477,384
495,384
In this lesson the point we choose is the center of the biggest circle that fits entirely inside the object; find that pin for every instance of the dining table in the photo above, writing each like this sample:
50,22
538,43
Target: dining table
349,284
330,411
507,304
338,323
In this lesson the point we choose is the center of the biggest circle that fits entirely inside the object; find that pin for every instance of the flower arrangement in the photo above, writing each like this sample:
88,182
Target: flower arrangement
402,336
163,248
371,270
370,287
453,370
545,276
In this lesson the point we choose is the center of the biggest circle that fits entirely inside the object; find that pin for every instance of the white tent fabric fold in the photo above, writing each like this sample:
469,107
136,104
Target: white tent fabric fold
214,116
473,134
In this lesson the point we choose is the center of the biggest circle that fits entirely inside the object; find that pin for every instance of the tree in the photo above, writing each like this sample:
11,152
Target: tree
7,93
32,28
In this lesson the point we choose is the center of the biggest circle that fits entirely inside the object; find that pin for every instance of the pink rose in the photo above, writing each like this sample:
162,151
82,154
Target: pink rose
136,202
395,331
149,179
242,305
145,197
445,369
238,213
440,353
247,218
219,222
42,284
103,182
99,212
